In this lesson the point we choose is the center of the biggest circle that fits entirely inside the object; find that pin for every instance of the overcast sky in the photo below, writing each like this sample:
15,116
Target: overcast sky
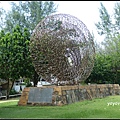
86,11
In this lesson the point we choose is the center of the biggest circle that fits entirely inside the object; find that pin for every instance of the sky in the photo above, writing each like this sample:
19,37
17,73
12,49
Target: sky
86,11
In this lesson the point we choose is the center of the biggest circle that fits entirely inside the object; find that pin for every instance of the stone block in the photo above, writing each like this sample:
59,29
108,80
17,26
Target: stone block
69,94
63,92
64,101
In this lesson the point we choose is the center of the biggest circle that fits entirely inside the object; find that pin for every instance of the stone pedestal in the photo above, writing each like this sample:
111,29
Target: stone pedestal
62,95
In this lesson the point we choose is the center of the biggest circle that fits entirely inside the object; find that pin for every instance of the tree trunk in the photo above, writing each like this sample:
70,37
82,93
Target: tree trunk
8,90
115,80
115,76
35,78
10,86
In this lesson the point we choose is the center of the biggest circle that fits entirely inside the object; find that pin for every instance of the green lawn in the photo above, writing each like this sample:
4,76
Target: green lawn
96,108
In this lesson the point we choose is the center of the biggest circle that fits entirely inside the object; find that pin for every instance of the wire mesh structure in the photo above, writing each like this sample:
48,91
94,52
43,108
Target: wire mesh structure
62,47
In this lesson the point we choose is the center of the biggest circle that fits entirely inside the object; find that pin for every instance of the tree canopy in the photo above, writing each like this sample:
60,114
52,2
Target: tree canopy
27,14
15,61
108,24
107,63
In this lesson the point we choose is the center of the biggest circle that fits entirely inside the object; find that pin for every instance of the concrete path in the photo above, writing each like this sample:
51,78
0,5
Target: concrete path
7,101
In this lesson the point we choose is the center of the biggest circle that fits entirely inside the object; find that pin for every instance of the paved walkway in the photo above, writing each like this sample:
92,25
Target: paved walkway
7,101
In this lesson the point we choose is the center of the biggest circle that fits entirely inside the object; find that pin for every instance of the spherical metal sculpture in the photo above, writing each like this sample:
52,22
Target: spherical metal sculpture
62,46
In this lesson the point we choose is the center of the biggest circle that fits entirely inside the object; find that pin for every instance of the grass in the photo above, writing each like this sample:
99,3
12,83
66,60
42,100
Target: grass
96,108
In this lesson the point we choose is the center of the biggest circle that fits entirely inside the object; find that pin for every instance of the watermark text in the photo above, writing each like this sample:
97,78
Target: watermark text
113,103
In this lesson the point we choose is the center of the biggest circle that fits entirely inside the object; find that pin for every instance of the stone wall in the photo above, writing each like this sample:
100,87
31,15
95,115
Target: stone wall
63,95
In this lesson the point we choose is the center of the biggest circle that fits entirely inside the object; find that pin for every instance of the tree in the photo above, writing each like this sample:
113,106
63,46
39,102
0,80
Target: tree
15,61
112,48
2,12
102,71
117,17
28,14
109,25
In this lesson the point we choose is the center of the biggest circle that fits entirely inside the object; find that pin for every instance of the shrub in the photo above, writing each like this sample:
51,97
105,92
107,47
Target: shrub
12,92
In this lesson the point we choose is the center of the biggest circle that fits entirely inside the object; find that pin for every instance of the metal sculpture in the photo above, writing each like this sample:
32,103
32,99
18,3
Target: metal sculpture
62,47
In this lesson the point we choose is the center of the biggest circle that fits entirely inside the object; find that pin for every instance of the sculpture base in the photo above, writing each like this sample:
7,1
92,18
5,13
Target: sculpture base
62,95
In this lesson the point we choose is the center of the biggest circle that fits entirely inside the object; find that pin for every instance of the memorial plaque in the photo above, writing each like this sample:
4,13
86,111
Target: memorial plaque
40,95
